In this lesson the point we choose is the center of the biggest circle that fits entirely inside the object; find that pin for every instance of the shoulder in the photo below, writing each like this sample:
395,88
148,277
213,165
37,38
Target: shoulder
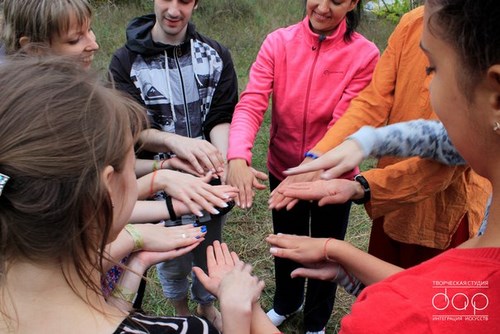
212,43
362,42
288,32
412,21
383,309
140,323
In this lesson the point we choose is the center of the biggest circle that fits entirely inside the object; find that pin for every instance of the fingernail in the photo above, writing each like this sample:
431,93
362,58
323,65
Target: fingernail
195,225
224,206
203,229
198,236
215,212
272,250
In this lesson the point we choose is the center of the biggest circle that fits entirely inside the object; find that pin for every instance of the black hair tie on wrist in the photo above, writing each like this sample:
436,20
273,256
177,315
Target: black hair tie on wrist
170,208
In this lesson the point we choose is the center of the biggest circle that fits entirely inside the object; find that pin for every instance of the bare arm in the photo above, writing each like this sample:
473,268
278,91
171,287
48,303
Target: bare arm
311,251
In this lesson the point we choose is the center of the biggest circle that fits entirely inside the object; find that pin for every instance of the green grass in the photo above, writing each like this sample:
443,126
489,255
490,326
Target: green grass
241,26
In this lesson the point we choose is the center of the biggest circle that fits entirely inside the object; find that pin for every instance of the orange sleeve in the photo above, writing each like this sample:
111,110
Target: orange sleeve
373,105
415,179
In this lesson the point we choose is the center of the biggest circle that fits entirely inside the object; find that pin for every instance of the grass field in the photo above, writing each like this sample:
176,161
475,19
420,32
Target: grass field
241,25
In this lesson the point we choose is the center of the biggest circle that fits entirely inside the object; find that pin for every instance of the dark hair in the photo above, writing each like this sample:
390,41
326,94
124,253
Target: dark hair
59,128
353,18
471,27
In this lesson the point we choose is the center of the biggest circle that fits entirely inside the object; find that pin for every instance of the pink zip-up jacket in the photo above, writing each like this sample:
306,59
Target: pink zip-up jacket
312,80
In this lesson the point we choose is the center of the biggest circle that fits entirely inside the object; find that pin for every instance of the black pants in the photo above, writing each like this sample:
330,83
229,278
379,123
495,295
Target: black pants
307,218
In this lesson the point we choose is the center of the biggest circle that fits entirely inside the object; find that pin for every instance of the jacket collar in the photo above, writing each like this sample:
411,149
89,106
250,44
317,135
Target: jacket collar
312,38
140,39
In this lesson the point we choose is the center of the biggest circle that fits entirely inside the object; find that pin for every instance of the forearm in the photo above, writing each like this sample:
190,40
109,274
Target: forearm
124,293
154,211
155,181
219,137
261,324
367,268
236,317
145,166
154,140
119,248
423,138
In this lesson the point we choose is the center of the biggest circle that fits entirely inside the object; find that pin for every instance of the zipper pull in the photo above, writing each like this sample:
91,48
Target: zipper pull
178,51
321,38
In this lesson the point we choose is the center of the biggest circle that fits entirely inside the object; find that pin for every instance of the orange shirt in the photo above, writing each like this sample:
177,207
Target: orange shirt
422,201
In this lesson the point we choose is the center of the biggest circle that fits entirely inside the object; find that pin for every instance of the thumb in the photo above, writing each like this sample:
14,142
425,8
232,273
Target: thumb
305,272
260,175
200,274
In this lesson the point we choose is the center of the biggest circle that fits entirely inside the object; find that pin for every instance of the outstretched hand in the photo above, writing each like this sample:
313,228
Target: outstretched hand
195,192
162,244
225,270
177,163
335,163
335,191
201,154
279,200
246,179
220,261
298,248
324,271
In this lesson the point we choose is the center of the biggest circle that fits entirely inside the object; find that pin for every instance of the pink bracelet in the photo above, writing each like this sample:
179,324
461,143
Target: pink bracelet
325,254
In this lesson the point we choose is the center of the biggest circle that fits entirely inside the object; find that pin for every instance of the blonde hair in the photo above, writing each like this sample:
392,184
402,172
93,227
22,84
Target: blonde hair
40,20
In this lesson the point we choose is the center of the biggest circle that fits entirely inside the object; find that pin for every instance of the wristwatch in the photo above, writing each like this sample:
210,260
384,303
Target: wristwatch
366,188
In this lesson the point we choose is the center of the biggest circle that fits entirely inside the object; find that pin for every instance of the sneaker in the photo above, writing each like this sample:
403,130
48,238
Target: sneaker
320,332
277,319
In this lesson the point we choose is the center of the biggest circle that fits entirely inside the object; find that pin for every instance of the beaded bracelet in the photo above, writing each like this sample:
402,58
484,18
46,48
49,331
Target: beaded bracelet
136,237
124,294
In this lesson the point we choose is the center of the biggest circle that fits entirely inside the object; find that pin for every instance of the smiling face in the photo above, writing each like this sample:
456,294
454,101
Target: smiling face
325,15
172,18
78,41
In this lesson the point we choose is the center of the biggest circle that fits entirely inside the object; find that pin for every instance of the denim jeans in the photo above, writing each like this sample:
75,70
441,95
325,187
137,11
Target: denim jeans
173,274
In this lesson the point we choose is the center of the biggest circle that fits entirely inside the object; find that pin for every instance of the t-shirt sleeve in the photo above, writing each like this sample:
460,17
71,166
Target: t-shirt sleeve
384,311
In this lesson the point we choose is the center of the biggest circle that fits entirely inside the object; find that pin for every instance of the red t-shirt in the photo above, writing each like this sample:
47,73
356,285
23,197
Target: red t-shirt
455,292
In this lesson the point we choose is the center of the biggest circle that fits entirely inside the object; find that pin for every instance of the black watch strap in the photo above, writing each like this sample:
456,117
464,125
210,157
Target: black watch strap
366,187
170,208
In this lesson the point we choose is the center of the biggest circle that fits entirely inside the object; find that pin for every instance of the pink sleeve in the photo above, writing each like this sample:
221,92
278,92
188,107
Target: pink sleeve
254,101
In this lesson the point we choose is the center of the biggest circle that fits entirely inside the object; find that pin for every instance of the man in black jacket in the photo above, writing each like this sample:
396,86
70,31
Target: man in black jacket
188,86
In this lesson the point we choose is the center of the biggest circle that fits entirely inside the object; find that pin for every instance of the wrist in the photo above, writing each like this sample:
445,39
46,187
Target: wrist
124,294
135,266
235,307
136,237
363,192
238,162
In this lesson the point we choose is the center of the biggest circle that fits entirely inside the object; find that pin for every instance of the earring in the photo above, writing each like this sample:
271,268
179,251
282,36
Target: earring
496,127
